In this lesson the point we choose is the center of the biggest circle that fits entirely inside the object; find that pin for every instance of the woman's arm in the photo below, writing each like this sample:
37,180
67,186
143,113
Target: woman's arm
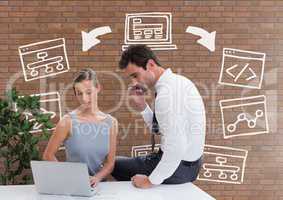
109,162
60,133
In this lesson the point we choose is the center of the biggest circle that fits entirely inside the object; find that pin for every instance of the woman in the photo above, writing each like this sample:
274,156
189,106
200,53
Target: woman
88,134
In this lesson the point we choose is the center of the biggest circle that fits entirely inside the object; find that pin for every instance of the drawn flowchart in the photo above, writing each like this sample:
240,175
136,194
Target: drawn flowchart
223,164
44,59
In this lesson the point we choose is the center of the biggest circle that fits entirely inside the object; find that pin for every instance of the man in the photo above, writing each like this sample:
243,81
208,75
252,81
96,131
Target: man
179,116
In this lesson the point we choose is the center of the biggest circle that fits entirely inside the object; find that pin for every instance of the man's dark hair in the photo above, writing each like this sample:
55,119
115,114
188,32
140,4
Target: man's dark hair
138,55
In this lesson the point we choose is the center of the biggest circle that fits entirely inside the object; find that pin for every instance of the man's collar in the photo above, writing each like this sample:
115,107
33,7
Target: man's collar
162,78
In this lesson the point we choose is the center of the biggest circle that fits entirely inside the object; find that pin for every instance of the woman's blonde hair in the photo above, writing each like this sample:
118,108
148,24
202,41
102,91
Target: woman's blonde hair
85,74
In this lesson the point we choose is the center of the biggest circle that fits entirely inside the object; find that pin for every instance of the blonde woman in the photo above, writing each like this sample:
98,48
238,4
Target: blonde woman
88,134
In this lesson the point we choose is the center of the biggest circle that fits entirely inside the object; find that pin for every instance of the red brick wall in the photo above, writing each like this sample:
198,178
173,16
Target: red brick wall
253,25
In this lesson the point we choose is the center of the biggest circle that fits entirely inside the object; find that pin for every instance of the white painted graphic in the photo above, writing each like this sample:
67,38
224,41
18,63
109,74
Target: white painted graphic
90,39
143,150
152,29
242,68
207,39
244,116
50,103
44,59
223,164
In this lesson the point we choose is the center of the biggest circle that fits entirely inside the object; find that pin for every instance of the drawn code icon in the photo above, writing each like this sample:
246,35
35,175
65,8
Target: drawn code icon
242,68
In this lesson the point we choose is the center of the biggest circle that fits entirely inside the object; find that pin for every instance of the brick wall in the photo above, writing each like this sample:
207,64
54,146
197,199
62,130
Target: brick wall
253,25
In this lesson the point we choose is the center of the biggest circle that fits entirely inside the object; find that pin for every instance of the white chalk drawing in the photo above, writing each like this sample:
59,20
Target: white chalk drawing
244,116
44,59
223,164
207,39
143,150
242,68
153,29
37,126
50,103
90,39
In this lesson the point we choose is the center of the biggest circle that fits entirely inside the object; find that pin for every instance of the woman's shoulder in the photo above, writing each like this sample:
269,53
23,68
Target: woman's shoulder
109,118
67,118
64,125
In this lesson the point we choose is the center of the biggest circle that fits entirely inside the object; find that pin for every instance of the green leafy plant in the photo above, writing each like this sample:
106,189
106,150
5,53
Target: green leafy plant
18,146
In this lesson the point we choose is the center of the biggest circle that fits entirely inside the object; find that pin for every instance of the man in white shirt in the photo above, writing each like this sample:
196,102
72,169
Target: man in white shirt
178,116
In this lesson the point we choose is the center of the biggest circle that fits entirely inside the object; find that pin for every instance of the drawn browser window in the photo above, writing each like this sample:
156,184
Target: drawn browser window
50,103
43,59
152,29
242,68
244,116
223,164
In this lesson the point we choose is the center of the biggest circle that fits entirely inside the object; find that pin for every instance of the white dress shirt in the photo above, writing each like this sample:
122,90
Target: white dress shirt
180,113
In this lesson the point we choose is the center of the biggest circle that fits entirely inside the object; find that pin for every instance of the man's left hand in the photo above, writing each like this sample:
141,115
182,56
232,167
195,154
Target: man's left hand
141,181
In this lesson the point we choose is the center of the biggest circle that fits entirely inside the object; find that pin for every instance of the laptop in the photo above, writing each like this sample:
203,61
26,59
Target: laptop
62,178
153,29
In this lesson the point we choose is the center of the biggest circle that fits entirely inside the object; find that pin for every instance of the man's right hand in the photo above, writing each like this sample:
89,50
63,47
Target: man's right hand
137,97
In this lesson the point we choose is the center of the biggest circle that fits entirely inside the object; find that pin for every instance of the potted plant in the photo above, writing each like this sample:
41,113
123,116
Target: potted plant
18,146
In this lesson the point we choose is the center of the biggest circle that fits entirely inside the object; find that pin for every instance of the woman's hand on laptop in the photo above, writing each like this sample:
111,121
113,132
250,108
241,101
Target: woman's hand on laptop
94,181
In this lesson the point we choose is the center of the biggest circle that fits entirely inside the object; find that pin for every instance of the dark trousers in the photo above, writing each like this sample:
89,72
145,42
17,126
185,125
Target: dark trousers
126,167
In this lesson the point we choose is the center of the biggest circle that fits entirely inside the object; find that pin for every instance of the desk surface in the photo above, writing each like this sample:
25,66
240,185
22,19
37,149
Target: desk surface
113,191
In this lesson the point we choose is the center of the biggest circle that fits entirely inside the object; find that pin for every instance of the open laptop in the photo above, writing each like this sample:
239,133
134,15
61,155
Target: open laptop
153,29
62,178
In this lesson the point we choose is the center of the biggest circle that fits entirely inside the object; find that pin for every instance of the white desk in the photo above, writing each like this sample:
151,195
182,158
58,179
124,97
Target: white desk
112,191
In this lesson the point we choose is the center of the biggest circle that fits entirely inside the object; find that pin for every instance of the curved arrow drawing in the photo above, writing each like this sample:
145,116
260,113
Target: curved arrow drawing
90,39
207,39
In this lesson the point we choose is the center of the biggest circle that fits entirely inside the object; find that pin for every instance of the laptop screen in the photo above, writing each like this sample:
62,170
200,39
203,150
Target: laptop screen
148,28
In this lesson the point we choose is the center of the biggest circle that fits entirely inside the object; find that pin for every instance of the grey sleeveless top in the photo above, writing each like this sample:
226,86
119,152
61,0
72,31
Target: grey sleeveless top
88,142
